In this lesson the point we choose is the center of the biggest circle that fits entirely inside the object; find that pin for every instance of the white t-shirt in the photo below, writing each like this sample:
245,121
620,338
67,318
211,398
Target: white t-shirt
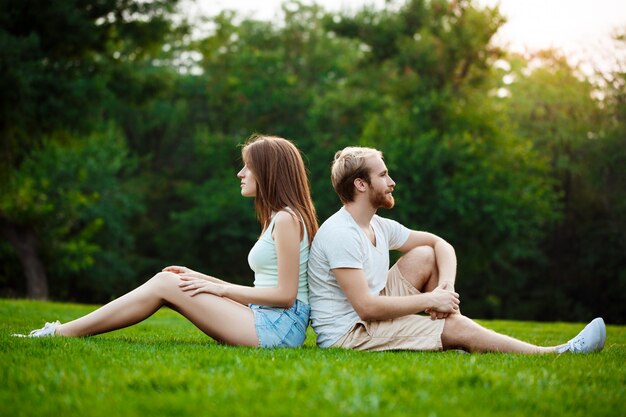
340,243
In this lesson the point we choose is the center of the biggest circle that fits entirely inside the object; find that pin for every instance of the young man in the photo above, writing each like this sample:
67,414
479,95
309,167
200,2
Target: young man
357,302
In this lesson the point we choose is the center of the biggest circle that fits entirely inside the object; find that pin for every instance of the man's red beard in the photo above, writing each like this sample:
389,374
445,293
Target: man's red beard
382,200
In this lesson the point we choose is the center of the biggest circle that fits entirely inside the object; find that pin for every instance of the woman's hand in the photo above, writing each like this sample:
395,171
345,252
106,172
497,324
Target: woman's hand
178,269
194,285
183,270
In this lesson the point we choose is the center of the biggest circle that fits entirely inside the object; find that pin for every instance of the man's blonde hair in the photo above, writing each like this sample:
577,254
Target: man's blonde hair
349,164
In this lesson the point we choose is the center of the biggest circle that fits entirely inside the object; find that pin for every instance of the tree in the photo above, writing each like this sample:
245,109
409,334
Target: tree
579,134
59,63
68,205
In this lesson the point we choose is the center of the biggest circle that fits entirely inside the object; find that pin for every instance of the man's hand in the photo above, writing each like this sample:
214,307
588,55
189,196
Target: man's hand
439,316
445,302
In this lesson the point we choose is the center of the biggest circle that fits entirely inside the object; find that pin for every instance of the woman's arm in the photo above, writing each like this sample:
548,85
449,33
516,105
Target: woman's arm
286,236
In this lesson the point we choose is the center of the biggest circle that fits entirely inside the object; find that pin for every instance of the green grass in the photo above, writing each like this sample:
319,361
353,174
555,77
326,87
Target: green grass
165,366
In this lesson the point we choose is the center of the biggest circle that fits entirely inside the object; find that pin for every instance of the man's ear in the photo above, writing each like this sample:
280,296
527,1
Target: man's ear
360,184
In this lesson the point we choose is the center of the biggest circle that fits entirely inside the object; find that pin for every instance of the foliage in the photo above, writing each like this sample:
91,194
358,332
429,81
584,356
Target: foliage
59,59
581,139
60,64
165,366
220,224
520,170
75,194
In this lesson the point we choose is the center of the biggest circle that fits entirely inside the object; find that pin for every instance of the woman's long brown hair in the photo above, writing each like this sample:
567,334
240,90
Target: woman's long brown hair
282,180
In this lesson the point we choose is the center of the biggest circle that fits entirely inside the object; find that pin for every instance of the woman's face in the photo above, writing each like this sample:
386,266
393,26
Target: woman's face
248,182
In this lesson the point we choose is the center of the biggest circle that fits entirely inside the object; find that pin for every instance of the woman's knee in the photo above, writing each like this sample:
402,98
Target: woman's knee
164,281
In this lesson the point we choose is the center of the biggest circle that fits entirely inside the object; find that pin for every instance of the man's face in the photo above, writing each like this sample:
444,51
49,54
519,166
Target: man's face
381,184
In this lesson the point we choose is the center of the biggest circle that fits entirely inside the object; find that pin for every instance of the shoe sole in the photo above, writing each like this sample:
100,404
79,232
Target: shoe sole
603,331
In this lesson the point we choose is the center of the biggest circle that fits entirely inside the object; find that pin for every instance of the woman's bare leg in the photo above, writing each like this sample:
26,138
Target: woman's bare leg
223,319
460,332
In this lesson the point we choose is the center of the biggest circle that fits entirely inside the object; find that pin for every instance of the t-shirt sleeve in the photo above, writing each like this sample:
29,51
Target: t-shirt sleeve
343,249
396,233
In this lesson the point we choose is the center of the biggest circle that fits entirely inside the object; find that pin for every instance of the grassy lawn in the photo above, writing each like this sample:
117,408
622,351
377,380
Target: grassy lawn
165,366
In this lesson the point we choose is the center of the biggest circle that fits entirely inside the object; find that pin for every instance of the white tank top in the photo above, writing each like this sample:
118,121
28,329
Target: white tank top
264,262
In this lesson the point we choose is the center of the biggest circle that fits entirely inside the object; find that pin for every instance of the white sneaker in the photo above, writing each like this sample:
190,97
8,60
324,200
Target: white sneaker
590,339
47,330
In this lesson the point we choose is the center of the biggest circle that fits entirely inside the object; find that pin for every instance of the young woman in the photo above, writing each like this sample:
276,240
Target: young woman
273,313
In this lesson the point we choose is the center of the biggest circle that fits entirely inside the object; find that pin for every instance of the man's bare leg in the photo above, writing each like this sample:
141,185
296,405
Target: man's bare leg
419,267
460,332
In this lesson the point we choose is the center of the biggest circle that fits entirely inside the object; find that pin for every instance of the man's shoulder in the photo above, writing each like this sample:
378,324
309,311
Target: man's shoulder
336,225
338,219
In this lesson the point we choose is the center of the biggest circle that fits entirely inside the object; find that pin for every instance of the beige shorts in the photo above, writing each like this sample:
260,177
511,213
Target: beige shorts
413,332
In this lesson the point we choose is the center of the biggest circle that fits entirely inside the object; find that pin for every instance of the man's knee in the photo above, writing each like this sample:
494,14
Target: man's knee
424,254
457,331
418,259
455,324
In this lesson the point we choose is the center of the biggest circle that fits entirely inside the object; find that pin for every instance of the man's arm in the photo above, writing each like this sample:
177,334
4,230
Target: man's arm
444,254
374,307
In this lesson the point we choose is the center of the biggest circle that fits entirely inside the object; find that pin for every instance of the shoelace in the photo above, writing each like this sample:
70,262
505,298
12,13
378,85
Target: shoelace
577,345
47,329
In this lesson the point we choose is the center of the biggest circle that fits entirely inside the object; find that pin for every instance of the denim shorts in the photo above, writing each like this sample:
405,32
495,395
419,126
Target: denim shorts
281,327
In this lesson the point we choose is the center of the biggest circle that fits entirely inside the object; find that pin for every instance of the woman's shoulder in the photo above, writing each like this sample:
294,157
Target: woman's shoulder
286,217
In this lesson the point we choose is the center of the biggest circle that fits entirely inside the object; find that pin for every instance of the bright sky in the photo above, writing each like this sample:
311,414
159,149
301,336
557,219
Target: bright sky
580,28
